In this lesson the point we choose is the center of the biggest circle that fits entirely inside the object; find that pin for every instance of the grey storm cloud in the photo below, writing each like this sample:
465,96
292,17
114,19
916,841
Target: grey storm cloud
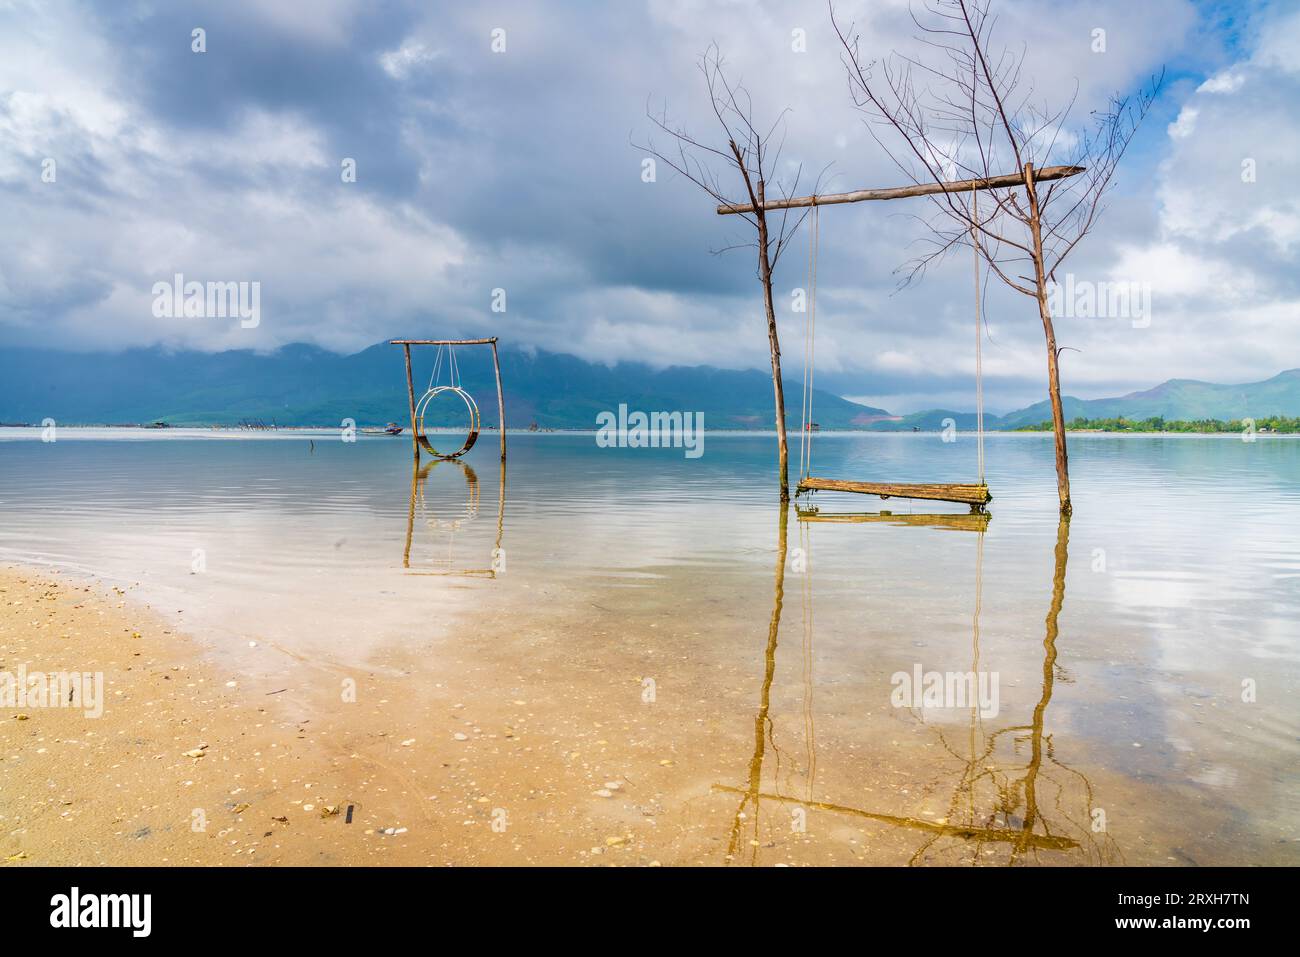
520,170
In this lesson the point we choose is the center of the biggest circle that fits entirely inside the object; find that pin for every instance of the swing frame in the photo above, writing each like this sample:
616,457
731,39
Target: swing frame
410,394
976,496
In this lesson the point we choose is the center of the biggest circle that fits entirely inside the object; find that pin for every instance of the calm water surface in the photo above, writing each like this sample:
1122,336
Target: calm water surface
762,644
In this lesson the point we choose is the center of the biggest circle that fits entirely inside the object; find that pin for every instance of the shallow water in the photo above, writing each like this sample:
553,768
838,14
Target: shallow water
643,587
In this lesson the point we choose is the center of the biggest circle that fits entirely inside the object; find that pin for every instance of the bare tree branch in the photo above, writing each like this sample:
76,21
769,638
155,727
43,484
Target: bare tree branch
963,111
749,153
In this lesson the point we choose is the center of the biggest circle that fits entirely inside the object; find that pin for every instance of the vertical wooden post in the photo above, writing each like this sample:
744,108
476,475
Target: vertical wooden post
1053,353
765,276
501,402
410,398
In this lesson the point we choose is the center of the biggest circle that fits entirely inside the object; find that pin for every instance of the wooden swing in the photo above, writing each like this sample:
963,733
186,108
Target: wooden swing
975,495
433,391
418,437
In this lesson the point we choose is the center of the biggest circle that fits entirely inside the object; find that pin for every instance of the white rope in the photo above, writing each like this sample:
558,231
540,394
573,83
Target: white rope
437,367
453,367
803,395
812,324
809,340
979,356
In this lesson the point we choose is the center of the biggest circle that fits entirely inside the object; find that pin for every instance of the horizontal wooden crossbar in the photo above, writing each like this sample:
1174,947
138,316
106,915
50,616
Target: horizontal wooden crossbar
966,494
441,342
1003,181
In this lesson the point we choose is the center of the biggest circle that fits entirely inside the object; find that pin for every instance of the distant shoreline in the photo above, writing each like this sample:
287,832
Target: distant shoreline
1272,424
315,430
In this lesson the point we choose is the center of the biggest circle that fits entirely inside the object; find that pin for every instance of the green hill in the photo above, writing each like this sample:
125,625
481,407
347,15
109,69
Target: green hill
1178,399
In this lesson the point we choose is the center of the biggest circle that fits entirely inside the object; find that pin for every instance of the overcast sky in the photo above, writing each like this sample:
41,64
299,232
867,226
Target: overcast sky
478,170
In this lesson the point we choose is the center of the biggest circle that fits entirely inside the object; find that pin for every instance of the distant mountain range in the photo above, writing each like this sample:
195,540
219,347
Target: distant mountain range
1175,400
306,385
1179,399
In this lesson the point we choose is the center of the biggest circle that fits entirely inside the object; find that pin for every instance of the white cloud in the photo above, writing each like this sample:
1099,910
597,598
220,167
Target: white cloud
1185,125
1226,82
523,178
1232,182
401,62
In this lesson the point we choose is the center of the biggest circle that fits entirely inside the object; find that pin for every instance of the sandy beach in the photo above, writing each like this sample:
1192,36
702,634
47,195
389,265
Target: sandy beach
127,787
503,747
189,765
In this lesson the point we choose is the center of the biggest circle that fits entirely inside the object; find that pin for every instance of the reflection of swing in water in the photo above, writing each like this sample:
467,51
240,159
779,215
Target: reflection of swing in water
1016,805
972,522
1029,833
450,526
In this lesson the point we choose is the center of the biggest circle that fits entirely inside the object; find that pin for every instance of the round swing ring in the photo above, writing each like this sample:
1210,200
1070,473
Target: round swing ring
474,421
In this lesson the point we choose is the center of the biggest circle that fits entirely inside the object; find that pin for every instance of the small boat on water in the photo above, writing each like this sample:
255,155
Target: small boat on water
392,428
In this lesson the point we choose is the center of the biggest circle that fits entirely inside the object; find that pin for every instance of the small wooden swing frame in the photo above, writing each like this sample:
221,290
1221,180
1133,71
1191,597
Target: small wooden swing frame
418,438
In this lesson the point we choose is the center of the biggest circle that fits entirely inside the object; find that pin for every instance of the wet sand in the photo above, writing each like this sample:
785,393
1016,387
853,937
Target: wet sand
510,750
280,768
119,788
428,779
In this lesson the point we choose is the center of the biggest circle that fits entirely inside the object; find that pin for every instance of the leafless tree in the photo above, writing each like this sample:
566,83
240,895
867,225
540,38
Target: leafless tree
748,154
961,109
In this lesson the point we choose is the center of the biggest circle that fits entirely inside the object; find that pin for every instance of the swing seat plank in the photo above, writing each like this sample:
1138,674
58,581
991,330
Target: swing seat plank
965,494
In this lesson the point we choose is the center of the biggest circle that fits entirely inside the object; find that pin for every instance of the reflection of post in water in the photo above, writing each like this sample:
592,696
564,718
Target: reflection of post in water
1028,833
419,478
1052,629
762,724
1020,820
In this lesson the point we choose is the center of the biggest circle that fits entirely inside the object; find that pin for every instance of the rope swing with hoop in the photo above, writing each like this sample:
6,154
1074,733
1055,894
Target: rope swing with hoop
435,390
445,360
